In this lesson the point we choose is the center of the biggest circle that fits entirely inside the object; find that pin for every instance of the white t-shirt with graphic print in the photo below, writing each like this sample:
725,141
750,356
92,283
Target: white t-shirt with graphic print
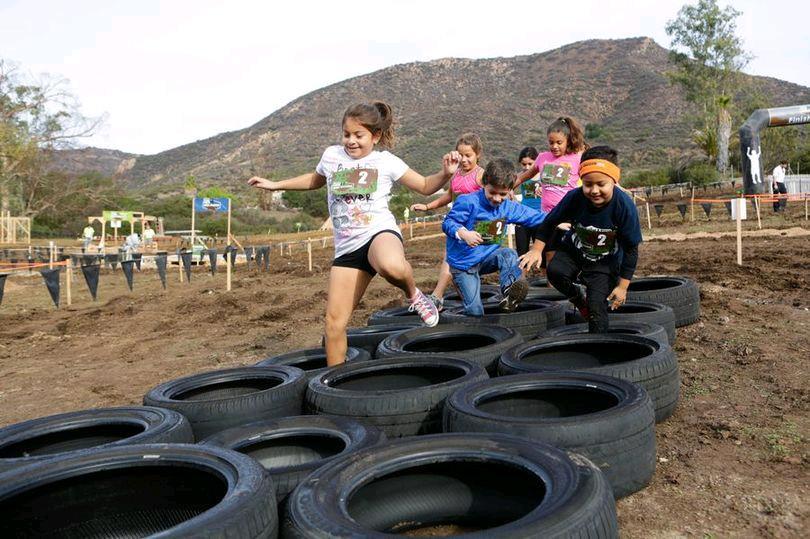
358,191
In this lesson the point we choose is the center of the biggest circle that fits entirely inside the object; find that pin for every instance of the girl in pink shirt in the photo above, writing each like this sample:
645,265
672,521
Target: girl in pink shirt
559,166
466,180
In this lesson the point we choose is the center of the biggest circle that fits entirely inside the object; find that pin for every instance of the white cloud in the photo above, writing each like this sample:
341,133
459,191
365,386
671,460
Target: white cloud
169,73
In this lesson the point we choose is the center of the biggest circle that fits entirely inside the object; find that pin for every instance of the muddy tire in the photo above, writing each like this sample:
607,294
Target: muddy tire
369,337
481,344
489,292
634,311
496,485
312,360
48,437
218,400
540,289
680,293
403,396
644,361
174,490
607,420
641,329
293,447
530,318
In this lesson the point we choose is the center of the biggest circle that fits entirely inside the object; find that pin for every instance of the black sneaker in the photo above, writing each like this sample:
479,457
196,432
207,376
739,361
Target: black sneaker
514,295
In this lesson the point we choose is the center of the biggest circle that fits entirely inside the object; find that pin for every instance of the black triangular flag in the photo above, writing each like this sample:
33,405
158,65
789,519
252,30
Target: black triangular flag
212,258
682,209
728,206
160,262
51,277
658,209
126,267
248,256
91,278
111,261
259,255
707,208
233,257
266,259
185,256
2,284
137,257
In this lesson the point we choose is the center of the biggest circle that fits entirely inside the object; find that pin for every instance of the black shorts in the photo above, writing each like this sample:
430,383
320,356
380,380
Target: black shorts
358,259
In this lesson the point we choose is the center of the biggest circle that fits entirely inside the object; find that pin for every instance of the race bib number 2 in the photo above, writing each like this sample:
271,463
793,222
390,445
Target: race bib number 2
555,174
354,181
595,243
492,232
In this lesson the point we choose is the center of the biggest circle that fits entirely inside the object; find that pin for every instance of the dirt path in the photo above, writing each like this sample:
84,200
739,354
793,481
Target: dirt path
732,460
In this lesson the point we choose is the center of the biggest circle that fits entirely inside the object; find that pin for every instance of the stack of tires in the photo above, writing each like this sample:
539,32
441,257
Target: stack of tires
511,425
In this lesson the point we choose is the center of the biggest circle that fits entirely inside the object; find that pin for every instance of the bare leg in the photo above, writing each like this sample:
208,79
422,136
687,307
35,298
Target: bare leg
444,280
346,288
387,256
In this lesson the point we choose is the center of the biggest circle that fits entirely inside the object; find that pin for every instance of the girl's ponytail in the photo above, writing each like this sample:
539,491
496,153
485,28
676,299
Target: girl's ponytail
377,117
572,131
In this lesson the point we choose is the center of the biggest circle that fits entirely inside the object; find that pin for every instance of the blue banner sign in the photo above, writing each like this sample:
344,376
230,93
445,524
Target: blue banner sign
211,204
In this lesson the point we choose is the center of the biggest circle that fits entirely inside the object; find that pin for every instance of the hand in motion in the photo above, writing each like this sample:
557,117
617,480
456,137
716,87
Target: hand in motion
617,297
419,207
262,183
529,259
450,162
471,237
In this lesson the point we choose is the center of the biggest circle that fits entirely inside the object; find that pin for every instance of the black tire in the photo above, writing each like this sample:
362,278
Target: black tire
394,315
497,485
369,337
218,400
634,311
312,360
644,361
403,396
607,420
175,490
293,447
531,317
641,329
488,292
540,289
680,293
47,437
481,344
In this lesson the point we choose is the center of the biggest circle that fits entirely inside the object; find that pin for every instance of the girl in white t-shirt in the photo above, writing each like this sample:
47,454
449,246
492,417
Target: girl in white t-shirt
367,240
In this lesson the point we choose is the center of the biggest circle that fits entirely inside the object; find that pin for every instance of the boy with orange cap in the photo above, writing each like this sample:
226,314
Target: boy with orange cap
600,245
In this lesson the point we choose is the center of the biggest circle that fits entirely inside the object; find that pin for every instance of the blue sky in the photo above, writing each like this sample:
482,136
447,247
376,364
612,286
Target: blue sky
169,73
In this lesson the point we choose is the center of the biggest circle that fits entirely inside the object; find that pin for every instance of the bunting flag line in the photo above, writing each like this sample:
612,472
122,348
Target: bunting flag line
111,261
160,262
259,255
658,209
91,278
707,208
186,258
266,258
51,277
248,256
137,258
126,267
233,256
212,258
2,285
682,209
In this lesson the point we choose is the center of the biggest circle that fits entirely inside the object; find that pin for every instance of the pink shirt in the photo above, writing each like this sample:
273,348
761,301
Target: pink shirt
558,175
464,183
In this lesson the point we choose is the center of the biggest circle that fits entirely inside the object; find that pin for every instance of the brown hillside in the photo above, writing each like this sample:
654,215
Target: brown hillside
618,84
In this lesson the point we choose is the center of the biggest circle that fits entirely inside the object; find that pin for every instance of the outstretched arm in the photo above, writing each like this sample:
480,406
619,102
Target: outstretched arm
526,175
304,182
443,200
427,186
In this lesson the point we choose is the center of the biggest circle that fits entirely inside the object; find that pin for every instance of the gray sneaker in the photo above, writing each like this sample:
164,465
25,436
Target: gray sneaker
514,295
437,301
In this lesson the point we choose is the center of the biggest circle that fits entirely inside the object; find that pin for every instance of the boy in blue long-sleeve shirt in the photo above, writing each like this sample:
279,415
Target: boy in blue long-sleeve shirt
601,244
476,228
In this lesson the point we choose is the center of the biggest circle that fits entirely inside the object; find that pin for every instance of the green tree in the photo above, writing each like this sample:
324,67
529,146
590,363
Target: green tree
708,56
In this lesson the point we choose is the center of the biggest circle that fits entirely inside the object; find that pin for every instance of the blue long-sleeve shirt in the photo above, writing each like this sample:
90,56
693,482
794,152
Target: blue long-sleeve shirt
475,208
609,234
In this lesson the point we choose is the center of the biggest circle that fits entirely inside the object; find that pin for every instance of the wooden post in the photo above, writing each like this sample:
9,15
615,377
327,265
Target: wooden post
805,207
227,250
692,203
740,201
323,243
68,278
756,204
309,253
180,264
680,188
193,215
50,254
649,221
289,248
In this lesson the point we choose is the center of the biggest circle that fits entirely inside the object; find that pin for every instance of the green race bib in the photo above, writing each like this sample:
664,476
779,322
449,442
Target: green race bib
354,181
594,243
531,189
555,174
493,232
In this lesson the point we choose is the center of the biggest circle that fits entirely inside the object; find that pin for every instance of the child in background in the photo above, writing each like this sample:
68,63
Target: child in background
476,228
529,196
467,179
601,244
367,240
558,167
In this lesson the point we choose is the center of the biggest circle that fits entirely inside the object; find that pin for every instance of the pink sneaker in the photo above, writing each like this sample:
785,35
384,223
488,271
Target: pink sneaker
427,309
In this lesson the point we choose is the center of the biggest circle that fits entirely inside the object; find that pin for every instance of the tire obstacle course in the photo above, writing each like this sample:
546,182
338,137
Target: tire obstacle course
435,428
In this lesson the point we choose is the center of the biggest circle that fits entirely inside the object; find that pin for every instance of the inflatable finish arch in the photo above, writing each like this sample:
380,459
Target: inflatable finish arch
753,179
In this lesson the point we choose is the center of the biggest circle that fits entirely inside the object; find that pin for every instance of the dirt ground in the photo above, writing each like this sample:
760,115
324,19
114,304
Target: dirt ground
733,460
